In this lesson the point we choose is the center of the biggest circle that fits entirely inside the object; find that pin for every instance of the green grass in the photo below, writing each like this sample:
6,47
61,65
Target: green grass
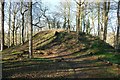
16,52
114,58
41,59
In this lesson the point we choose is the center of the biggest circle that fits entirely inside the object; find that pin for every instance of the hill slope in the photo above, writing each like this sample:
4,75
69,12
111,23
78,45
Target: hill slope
58,43
59,54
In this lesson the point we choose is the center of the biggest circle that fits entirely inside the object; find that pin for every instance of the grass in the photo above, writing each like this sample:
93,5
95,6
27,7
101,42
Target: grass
113,58
41,59
16,52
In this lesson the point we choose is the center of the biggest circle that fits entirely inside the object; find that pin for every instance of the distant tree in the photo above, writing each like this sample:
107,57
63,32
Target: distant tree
38,15
22,11
65,12
88,26
46,16
15,9
2,24
17,26
58,25
79,4
65,15
68,11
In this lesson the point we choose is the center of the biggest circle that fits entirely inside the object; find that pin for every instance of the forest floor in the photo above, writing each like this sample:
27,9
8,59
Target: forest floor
60,55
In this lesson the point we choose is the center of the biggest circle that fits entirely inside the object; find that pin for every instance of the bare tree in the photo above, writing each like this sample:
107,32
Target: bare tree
22,11
47,17
106,9
15,11
78,16
68,4
17,26
99,19
65,14
118,27
30,28
2,23
9,41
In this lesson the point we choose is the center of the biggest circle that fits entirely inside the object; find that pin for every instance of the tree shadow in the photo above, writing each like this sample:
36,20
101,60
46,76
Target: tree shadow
47,67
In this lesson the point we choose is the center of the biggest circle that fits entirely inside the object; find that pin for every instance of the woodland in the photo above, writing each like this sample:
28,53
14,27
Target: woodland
60,39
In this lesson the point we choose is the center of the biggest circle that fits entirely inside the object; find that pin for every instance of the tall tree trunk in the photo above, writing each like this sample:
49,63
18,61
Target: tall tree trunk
2,23
30,27
22,36
69,17
98,19
23,21
118,27
13,31
9,40
78,18
106,11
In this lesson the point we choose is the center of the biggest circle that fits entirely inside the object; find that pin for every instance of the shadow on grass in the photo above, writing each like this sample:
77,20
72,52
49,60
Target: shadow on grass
43,67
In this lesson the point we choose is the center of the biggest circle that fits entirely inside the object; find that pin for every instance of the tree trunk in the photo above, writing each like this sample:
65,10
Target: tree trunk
13,31
68,26
2,23
88,26
9,41
16,36
30,27
98,19
23,21
118,27
78,18
64,24
49,24
106,11
22,36
69,17
84,19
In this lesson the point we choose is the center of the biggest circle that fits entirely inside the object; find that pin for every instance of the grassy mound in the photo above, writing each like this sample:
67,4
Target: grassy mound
53,43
